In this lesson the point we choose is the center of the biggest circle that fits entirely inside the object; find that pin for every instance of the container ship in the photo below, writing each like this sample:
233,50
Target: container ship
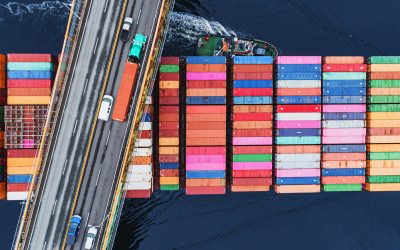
219,45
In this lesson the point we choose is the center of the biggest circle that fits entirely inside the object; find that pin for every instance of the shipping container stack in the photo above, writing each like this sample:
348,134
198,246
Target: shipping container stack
205,125
344,123
252,123
298,124
383,122
168,133
139,178
3,156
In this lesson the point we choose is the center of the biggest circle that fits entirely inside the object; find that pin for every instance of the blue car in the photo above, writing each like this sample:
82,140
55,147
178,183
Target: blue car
73,229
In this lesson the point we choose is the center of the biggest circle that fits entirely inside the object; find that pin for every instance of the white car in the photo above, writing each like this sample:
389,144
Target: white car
105,108
91,236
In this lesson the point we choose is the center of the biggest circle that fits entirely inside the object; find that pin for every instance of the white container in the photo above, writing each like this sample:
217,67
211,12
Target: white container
344,124
17,196
132,177
145,126
142,151
148,100
298,84
298,116
296,164
143,143
137,185
140,169
298,157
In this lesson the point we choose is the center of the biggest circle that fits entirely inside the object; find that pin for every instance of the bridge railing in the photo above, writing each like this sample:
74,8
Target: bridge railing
69,47
147,86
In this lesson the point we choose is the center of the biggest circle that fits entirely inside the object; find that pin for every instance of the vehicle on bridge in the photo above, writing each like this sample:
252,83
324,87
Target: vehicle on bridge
73,229
105,108
126,28
137,46
91,236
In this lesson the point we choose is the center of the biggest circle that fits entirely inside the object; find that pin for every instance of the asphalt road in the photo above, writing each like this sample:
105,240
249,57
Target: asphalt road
55,196
103,166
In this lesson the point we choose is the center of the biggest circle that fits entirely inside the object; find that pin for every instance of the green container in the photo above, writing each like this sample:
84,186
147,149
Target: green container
383,179
384,59
252,158
344,76
342,187
383,155
384,84
169,68
169,187
383,107
295,140
30,66
1,109
384,99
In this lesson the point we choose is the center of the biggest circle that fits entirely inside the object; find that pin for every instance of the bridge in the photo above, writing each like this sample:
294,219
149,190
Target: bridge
81,160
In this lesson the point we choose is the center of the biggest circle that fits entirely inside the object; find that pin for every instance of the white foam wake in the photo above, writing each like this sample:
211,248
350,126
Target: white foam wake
53,8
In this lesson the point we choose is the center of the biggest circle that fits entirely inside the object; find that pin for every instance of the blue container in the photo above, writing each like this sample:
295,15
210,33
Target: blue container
340,91
19,178
252,84
206,60
298,76
298,132
252,100
29,74
344,148
146,118
344,83
169,165
310,68
206,174
298,100
206,100
253,59
344,116
343,172
297,180
344,99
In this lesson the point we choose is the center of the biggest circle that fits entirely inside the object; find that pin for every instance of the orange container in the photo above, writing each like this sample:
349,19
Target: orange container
2,82
384,123
169,172
206,68
205,125
383,147
252,124
2,77
344,156
169,84
205,182
344,60
384,91
383,163
383,67
169,117
168,141
28,100
141,160
205,141
343,179
3,192
169,180
206,109
383,115
383,171
206,92
21,162
297,188
244,68
205,133
384,139
298,92
252,108
250,188
168,150
205,117
384,75
21,170
3,59
28,91
300,149
376,187
344,164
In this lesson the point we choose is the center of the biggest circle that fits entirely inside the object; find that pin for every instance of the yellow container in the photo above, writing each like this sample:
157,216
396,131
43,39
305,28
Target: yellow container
169,84
383,139
28,100
252,124
297,188
384,91
383,147
249,188
206,92
383,115
168,150
384,123
21,162
20,170
384,67
383,164
169,180
168,141
376,187
383,171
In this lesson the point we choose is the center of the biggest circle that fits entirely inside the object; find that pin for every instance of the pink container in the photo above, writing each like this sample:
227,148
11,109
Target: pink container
252,165
298,60
327,132
298,124
28,143
297,172
208,166
343,140
206,76
252,141
344,108
205,158
205,150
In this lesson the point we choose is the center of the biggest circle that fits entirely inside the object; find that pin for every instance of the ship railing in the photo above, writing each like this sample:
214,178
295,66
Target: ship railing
147,87
68,50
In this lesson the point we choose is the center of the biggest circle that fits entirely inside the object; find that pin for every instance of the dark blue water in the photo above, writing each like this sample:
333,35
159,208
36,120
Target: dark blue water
242,220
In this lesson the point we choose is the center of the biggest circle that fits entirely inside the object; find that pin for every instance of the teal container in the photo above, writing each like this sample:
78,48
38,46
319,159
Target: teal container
384,84
45,66
384,60
344,76
383,107
295,140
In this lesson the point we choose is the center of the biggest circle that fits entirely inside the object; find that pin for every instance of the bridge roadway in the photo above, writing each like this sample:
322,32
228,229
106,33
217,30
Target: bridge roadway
70,143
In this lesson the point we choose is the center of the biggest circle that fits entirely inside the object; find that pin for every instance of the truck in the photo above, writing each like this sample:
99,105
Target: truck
73,229
126,28
135,52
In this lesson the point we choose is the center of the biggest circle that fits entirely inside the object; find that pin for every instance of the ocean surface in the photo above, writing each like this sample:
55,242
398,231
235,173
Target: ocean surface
241,220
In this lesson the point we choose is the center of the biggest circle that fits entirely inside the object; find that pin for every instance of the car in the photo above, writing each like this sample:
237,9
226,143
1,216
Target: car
73,229
91,236
105,108
126,28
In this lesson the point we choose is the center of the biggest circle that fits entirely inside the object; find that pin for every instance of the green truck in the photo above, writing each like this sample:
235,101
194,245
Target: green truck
137,46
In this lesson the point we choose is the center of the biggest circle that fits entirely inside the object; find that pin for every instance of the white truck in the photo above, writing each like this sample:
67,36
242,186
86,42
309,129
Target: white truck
126,28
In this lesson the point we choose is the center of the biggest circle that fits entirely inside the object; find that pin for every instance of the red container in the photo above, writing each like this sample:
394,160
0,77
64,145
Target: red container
252,132
29,83
165,117
343,179
21,153
384,75
169,92
252,181
169,109
145,134
298,92
205,190
168,158
138,194
169,77
383,131
251,173
205,125
345,68
204,150
169,100
252,76
344,156
169,172
252,68
169,60
29,58
205,84
168,133
252,149
298,108
252,92
252,117
17,187
28,91
206,109
169,125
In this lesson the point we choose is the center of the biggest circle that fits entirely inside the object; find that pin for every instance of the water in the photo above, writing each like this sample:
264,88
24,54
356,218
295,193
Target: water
242,220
